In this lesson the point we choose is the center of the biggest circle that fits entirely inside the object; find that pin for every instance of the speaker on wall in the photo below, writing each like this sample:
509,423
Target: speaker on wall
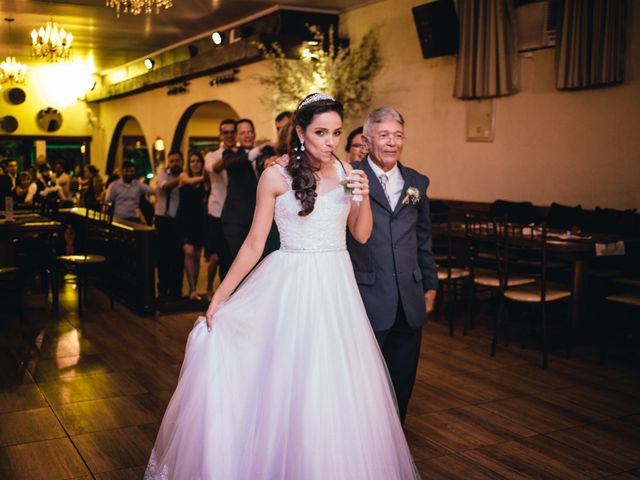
437,26
9,124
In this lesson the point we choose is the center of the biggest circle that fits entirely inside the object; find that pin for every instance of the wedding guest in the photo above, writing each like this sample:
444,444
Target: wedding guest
22,188
12,172
215,245
170,250
395,269
356,147
282,119
125,193
44,187
95,194
63,180
6,189
192,216
243,166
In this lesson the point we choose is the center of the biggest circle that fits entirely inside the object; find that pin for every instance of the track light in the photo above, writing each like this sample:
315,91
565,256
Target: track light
217,38
149,63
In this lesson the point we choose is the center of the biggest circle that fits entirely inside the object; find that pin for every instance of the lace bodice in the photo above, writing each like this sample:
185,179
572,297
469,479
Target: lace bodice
322,230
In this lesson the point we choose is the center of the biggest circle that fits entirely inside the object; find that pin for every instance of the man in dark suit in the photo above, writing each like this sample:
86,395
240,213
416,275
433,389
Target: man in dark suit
395,269
243,166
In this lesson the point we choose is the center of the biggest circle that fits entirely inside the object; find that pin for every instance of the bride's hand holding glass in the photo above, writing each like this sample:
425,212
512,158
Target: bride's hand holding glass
358,184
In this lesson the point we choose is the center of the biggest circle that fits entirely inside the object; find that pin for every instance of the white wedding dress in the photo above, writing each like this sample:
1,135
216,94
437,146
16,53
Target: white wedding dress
290,382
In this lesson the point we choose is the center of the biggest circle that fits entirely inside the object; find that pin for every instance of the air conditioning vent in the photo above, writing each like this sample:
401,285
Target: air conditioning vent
537,23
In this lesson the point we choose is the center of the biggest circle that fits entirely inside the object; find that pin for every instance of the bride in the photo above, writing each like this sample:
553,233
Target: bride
284,379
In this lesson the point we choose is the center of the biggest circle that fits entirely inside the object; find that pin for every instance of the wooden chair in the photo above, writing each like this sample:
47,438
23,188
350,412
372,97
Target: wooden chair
11,285
95,234
454,279
524,253
484,262
625,303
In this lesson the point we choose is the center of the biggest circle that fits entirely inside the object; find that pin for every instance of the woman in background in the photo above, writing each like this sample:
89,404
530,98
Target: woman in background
356,146
95,193
192,215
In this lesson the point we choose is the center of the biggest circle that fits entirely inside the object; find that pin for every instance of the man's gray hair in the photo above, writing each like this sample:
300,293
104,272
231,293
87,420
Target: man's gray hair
380,115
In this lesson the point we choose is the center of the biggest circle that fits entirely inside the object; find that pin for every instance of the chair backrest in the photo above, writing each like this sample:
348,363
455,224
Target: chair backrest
518,212
441,240
46,205
523,250
97,228
482,234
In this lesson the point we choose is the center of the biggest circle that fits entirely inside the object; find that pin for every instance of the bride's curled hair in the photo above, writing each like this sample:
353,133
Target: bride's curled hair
301,167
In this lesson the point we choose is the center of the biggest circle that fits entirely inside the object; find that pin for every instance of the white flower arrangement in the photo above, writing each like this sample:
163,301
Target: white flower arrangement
412,195
344,72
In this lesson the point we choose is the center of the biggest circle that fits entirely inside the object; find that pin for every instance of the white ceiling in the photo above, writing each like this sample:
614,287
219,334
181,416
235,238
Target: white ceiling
113,41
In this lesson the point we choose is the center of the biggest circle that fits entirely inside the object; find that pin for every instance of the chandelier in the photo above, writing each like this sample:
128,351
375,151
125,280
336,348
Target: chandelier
12,71
50,43
136,7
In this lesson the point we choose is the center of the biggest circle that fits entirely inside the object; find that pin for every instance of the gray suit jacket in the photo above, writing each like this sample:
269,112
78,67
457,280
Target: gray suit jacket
396,264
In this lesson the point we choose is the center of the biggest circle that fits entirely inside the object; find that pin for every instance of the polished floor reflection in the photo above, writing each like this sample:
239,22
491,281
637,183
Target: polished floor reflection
83,398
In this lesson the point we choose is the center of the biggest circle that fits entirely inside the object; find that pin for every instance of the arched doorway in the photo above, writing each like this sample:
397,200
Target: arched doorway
198,128
129,143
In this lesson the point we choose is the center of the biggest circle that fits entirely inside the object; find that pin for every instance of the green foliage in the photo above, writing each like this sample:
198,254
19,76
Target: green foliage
346,73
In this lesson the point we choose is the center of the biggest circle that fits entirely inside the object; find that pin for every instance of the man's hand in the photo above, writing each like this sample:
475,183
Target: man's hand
283,161
430,300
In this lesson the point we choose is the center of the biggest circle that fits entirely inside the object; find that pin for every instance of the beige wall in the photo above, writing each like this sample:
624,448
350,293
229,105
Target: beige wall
578,147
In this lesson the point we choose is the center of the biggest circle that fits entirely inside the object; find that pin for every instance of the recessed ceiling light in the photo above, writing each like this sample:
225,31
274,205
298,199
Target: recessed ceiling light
217,38
149,63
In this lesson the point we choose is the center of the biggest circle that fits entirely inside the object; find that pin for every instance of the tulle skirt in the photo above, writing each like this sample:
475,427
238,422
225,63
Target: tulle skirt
289,384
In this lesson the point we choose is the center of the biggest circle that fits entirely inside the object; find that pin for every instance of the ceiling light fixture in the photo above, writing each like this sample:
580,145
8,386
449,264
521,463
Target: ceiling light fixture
136,7
50,43
11,71
149,63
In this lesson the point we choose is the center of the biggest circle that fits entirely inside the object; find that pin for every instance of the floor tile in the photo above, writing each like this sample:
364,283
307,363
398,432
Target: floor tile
614,441
29,426
539,457
21,397
66,368
51,459
96,415
540,415
90,387
114,449
135,473
468,427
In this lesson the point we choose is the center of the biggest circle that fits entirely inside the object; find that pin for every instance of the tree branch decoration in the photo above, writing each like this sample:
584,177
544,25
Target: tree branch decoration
346,73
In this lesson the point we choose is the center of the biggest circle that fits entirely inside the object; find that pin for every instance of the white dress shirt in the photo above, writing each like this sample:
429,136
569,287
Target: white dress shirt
395,182
218,181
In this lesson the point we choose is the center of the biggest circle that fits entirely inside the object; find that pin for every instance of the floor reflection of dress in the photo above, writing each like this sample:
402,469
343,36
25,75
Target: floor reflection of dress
290,383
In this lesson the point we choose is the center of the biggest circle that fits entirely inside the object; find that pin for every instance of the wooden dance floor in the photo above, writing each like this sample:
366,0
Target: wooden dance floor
82,399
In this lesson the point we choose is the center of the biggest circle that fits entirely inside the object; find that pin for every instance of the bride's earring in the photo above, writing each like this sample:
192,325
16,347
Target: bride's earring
302,145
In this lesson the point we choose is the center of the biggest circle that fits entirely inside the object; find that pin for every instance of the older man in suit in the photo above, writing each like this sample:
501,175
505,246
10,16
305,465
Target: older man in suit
395,269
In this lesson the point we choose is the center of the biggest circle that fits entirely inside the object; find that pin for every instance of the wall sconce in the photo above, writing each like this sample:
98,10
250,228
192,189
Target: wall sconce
178,89
158,153
226,78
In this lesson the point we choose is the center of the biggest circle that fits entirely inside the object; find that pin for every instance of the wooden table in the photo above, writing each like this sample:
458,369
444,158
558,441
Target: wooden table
579,250
25,224
131,258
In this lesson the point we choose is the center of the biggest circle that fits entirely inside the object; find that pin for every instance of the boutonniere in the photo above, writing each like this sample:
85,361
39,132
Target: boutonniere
412,195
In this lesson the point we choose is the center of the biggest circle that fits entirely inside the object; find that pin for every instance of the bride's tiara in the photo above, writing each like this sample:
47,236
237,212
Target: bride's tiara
316,97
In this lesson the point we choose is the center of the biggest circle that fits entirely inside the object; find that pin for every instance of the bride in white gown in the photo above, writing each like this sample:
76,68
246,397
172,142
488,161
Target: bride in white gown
284,379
